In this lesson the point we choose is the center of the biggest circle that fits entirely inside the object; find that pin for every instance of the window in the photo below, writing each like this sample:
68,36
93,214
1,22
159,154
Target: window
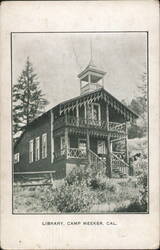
30,151
94,112
16,158
44,146
37,149
83,145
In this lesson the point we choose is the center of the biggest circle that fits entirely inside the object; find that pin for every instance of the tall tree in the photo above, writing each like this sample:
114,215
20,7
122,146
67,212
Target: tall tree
28,100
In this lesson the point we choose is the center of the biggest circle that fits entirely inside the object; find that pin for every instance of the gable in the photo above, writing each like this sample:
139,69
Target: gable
98,95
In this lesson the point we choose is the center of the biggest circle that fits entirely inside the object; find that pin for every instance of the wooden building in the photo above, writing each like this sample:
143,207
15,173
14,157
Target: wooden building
82,130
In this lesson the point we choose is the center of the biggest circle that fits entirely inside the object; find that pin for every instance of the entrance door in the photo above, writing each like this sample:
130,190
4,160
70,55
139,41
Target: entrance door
101,149
82,145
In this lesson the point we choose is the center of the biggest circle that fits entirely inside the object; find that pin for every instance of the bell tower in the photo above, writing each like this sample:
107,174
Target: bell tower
91,78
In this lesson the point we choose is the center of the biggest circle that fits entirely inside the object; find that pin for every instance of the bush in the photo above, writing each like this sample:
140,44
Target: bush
78,174
134,206
71,198
143,183
93,176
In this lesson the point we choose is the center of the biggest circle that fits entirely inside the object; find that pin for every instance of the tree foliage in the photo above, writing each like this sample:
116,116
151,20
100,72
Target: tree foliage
28,100
139,105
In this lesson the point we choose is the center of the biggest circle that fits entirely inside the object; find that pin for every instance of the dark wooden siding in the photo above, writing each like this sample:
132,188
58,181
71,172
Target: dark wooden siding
57,143
41,126
93,144
115,116
60,168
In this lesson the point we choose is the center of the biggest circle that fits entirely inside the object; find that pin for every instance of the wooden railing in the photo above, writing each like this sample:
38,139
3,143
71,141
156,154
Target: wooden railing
121,154
119,164
70,153
90,87
76,153
118,127
89,123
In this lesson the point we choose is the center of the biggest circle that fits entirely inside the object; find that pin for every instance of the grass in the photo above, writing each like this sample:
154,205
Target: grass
32,199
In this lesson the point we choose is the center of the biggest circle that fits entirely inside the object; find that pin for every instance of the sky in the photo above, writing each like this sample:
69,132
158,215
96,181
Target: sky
58,58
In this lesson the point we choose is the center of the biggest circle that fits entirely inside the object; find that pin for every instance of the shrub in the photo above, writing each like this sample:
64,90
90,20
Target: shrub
134,206
140,166
143,183
71,198
94,176
78,174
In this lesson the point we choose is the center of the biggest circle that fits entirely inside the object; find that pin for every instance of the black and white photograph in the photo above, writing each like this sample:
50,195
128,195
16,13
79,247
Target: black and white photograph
80,122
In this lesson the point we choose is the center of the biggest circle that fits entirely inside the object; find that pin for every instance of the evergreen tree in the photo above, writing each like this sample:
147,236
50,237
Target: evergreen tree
28,100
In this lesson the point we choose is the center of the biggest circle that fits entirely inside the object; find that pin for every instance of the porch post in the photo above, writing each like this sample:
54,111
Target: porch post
89,80
126,142
88,139
77,113
109,162
52,136
88,146
80,86
66,137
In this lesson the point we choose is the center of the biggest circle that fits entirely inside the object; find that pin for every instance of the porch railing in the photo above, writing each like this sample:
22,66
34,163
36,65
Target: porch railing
119,164
89,123
76,153
118,127
70,153
120,154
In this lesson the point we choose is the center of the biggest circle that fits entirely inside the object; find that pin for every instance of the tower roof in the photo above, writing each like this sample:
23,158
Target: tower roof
91,68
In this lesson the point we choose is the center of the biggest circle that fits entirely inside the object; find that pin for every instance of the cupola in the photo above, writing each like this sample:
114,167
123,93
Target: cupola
91,78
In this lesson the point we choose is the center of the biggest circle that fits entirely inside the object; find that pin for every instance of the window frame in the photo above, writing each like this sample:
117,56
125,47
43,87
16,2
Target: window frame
92,109
31,151
44,152
37,149
16,158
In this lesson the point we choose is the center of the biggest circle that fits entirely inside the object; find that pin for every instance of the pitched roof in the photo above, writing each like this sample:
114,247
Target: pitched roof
100,93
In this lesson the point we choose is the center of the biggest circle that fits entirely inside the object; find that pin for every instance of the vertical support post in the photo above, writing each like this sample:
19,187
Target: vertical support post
109,161
102,82
89,81
88,139
131,168
80,86
52,136
111,147
77,113
126,142
66,137
88,146
85,112
107,116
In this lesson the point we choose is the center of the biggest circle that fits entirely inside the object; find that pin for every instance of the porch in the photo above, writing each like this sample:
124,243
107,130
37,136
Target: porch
114,164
